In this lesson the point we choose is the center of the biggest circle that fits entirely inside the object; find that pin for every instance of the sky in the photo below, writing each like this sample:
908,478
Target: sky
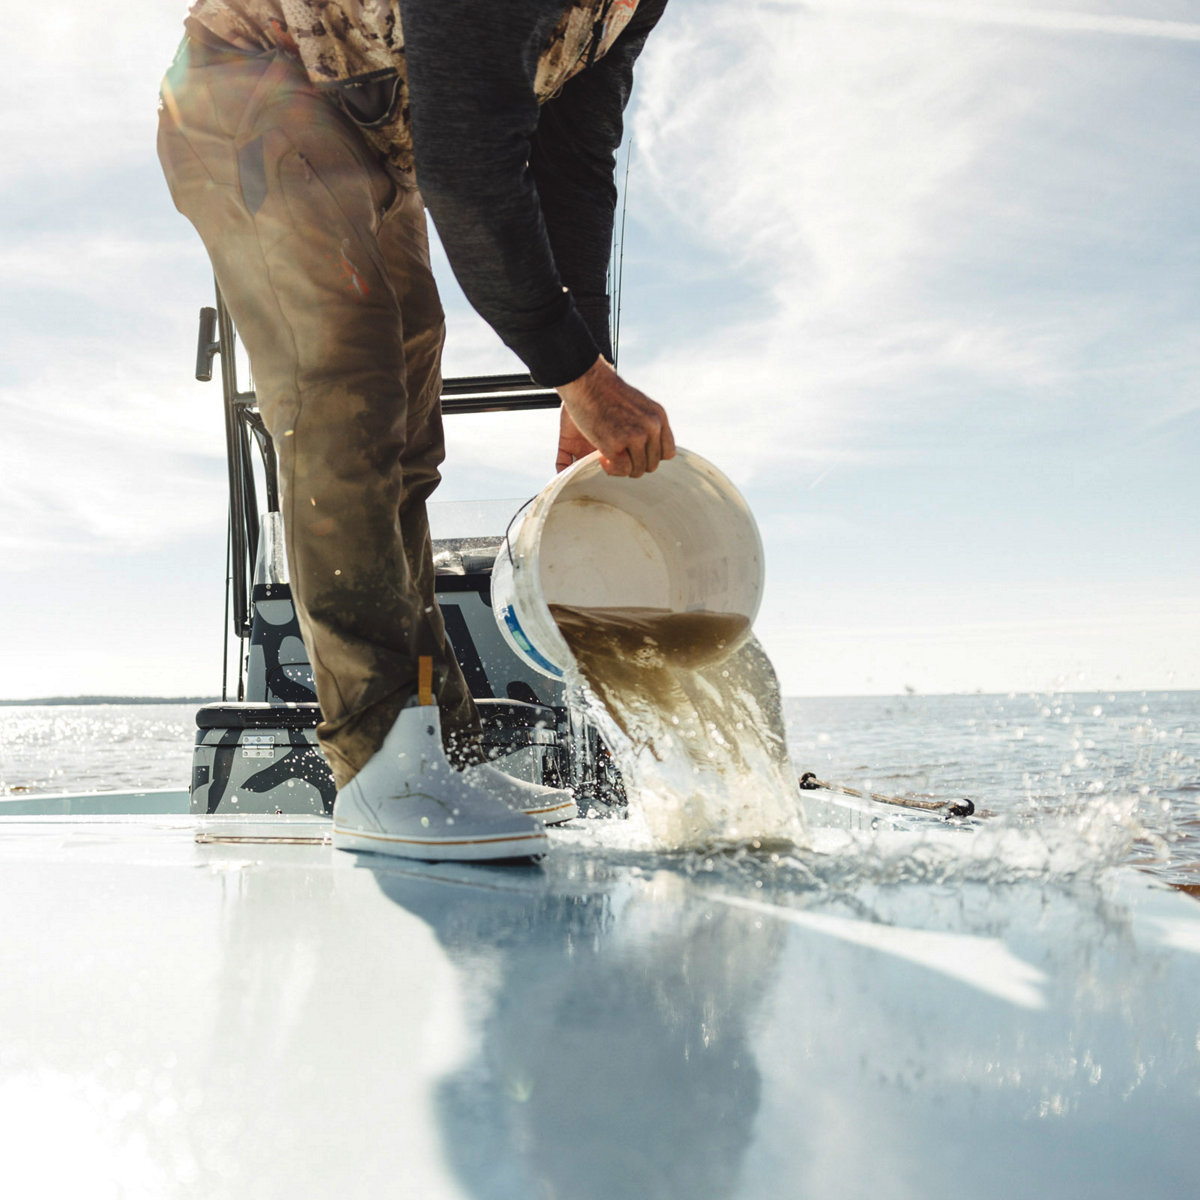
923,279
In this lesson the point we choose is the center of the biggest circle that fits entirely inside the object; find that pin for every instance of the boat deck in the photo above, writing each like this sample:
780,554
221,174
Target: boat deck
226,1007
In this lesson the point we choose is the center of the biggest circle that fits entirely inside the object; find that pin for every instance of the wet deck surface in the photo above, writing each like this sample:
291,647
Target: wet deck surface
188,1010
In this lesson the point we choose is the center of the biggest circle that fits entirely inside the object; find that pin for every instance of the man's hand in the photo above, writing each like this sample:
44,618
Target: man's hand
602,412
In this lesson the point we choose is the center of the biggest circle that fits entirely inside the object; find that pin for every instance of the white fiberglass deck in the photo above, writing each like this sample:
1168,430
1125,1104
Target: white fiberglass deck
189,1011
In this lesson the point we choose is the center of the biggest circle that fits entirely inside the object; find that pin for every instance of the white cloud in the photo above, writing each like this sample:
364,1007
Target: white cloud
79,88
122,463
922,207
1080,635
814,163
1016,17
109,445
815,146
103,266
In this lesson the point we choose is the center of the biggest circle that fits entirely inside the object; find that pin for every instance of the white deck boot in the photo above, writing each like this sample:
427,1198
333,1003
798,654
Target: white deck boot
551,806
410,802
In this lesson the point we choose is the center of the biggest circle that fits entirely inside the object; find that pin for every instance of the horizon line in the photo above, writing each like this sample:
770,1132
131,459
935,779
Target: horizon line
100,699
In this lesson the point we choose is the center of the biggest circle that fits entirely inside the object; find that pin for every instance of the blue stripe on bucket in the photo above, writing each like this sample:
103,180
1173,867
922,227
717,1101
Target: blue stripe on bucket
527,647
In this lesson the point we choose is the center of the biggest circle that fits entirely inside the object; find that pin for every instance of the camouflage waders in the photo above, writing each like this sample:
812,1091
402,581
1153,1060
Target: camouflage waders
323,259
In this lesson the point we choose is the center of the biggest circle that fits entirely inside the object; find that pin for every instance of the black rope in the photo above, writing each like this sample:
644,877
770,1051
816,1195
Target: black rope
225,623
620,271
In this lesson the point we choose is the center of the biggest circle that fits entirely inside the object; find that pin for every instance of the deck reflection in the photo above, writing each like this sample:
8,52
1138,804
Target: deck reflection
615,1055
656,1030
224,1009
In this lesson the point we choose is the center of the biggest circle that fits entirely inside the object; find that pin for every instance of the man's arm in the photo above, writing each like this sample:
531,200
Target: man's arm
573,160
474,115
471,68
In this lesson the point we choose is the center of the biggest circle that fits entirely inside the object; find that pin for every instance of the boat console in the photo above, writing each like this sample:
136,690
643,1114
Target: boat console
257,751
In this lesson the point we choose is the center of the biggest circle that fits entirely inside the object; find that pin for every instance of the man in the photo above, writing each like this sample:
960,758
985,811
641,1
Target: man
294,135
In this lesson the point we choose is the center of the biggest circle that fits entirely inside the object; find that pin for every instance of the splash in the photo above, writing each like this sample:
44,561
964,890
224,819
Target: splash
689,704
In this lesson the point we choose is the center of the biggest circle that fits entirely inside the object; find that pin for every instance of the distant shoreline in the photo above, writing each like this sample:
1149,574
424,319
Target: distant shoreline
63,701
50,701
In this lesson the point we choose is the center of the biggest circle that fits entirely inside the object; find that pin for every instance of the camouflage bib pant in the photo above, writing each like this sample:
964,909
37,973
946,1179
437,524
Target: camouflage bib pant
323,258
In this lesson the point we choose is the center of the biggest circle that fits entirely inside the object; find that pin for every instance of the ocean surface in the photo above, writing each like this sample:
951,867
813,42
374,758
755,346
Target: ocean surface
1129,757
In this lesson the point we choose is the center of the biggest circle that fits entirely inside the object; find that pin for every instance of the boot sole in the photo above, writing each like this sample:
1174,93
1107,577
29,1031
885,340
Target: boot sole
520,845
554,814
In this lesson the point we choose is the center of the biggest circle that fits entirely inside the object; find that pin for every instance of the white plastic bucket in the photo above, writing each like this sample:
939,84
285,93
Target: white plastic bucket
680,538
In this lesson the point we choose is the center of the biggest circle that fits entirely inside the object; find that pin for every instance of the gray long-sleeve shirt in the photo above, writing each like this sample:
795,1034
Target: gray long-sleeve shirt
513,143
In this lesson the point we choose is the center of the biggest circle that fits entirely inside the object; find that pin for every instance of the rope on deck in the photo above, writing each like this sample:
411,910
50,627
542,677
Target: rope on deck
952,808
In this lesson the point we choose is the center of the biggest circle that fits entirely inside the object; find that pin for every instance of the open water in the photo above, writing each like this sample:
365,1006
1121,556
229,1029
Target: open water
1042,758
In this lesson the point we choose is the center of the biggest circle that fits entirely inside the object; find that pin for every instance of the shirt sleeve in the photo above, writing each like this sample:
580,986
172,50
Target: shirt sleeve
522,196
573,159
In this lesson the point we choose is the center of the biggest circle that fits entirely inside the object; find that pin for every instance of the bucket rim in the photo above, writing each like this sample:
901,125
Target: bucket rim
534,512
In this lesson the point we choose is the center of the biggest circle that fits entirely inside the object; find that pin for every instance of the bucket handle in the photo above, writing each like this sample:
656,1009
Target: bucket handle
508,529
